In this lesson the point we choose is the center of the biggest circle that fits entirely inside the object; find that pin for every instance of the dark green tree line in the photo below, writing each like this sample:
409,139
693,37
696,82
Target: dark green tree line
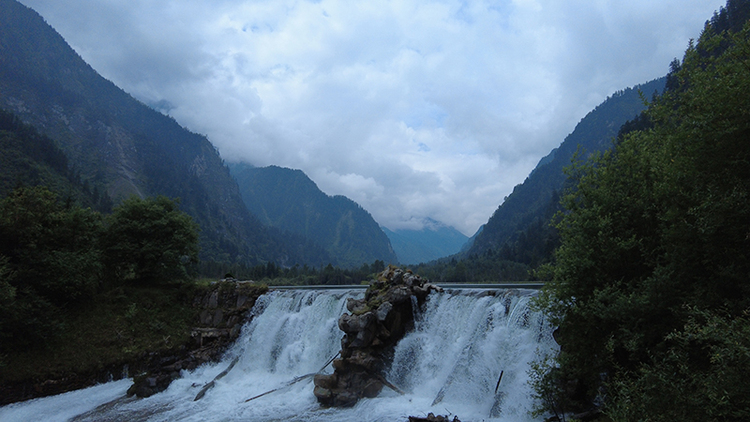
54,257
651,285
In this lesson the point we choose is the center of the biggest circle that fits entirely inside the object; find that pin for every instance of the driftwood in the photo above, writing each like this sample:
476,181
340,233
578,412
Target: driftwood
288,384
329,362
389,385
498,381
498,401
211,384
295,380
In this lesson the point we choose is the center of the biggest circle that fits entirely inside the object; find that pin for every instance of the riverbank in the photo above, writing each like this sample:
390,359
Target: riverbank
132,331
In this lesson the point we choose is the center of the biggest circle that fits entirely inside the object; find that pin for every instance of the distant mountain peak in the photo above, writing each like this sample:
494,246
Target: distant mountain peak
434,240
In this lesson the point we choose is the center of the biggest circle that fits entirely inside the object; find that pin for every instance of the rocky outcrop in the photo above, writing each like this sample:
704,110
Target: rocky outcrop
222,311
371,329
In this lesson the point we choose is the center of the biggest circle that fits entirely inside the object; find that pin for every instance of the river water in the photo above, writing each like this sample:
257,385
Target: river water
449,365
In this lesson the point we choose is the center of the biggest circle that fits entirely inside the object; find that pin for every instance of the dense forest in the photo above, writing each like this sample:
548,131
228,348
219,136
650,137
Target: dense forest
649,287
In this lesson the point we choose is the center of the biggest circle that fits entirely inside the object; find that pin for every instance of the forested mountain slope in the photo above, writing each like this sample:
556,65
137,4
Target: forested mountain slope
530,201
122,147
288,200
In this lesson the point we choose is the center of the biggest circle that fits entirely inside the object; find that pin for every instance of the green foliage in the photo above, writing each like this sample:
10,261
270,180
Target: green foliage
150,240
51,261
121,325
652,274
490,266
703,371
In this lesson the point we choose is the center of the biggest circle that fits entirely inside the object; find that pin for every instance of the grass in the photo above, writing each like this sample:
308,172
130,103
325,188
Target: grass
119,326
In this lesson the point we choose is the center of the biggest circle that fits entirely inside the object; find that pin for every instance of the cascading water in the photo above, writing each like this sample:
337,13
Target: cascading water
450,363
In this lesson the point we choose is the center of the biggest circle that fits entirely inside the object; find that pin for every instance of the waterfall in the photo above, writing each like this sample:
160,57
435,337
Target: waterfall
449,364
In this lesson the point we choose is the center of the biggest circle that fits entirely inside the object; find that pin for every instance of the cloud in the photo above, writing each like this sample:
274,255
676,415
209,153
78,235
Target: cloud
414,109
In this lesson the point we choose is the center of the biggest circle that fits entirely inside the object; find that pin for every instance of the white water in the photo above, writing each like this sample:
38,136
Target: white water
461,342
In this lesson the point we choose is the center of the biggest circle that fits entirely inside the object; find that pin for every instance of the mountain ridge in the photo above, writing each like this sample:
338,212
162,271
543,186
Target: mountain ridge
531,199
126,148
289,200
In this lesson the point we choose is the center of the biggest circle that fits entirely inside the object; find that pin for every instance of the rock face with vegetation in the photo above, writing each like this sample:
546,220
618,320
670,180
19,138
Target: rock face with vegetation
372,328
221,312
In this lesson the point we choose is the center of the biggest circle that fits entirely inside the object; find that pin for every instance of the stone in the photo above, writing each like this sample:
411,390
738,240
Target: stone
218,318
327,381
356,306
345,399
375,325
322,394
398,294
372,389
213,300
382,312
355,323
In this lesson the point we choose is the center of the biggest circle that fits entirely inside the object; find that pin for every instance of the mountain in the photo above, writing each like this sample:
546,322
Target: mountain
528,208
288,200
435,240
122,147
31,159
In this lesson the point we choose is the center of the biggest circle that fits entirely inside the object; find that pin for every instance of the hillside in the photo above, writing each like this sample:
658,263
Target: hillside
122,147
527,205
434,241
288,200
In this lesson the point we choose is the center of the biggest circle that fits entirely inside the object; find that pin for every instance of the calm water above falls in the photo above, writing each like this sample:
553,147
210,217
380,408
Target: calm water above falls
453,358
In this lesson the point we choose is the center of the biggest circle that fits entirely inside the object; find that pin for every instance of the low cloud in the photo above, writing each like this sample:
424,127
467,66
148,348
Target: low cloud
413,109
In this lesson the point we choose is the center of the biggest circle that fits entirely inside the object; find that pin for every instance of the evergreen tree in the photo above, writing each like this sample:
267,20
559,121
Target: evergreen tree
651,285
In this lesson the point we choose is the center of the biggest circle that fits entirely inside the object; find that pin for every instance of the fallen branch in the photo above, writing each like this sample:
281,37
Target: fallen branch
498,382
329,362
296,380
218,377
289,384
389,385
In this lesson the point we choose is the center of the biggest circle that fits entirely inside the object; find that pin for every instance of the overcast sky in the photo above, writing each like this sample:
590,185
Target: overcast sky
413,109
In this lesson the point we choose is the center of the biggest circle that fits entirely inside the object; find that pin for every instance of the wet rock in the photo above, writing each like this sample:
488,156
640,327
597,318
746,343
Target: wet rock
325,381
383,310
372,328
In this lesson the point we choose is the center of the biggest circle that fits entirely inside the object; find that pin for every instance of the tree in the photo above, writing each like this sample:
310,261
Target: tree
150,240
50,261
52,247
654,266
